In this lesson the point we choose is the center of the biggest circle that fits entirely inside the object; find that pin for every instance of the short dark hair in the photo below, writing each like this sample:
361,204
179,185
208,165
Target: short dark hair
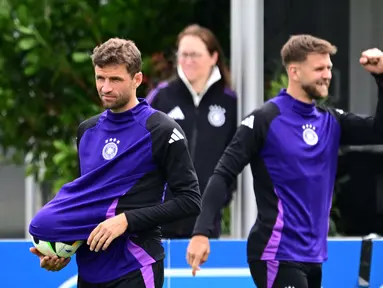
298,47
117,51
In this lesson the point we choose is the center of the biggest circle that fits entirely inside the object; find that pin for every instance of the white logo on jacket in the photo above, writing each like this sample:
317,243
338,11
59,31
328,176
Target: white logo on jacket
110,149
249,122
216,116
176,114
309,134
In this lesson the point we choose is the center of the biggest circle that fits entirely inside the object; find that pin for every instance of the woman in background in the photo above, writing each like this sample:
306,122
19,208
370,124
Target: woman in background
200,99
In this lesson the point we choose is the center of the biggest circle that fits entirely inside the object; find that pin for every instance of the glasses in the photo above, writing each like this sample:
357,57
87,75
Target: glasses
192,55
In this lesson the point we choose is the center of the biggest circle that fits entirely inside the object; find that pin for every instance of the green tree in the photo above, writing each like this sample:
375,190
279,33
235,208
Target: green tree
46,76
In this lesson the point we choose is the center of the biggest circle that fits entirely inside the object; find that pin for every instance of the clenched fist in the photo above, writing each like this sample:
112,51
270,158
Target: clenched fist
372,60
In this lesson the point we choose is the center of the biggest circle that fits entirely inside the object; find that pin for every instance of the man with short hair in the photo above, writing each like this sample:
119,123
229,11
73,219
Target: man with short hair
126,155
292,147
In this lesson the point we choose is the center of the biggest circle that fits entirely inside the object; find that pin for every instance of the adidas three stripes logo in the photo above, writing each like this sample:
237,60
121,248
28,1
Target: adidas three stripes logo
176,135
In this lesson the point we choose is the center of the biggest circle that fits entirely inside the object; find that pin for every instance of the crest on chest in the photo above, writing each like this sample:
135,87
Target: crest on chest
110,149
216,115
294,139
309,135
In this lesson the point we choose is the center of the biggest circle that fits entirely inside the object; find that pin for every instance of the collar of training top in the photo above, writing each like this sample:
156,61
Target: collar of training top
129,114
296,105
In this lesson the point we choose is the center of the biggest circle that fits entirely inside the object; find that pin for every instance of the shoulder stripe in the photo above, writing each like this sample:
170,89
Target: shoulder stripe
230,92
153,93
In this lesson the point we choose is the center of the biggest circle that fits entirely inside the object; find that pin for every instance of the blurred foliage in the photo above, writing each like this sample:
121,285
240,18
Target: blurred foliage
46,75
226,221
275,86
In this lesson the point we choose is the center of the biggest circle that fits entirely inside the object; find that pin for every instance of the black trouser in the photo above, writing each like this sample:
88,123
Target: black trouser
151,276
282,274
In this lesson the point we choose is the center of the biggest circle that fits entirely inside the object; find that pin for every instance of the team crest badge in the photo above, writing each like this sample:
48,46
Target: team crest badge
216,116
110,149
309,134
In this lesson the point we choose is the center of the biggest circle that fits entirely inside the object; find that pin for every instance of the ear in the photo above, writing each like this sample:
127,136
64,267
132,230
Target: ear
293,72
214,57
137,79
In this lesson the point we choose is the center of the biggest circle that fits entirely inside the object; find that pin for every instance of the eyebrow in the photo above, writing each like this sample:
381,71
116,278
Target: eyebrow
323,66
111,77
116,78
189,52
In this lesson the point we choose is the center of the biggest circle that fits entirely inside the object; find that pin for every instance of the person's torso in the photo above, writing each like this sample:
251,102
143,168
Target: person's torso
118,173
209,127
294,179
125,254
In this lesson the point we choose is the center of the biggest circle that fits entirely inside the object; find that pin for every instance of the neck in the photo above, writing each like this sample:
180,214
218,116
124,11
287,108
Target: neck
132,103
199,85
298,93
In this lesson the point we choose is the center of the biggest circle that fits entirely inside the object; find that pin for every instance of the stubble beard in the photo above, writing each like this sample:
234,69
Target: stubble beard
313,93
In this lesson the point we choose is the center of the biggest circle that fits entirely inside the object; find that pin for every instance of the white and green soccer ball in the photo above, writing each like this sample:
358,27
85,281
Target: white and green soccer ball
60,249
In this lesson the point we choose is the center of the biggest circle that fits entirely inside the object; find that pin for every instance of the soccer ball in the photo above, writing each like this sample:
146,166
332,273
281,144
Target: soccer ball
60,249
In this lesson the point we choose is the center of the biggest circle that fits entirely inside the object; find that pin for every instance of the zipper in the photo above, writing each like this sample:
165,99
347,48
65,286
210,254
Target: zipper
193,140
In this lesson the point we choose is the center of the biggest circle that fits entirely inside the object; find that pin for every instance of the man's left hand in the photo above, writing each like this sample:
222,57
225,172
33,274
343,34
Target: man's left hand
372,60
106,232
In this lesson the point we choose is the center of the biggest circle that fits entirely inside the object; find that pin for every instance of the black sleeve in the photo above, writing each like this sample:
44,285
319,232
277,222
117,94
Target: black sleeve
85,125
247,142
173,159
233,186
362,130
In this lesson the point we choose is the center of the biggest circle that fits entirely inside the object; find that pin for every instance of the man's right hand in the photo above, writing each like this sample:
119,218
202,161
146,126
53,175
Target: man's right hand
197,252
50,263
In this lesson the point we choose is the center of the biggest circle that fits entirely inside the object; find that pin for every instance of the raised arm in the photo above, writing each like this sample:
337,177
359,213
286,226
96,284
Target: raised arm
359,130
362,130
